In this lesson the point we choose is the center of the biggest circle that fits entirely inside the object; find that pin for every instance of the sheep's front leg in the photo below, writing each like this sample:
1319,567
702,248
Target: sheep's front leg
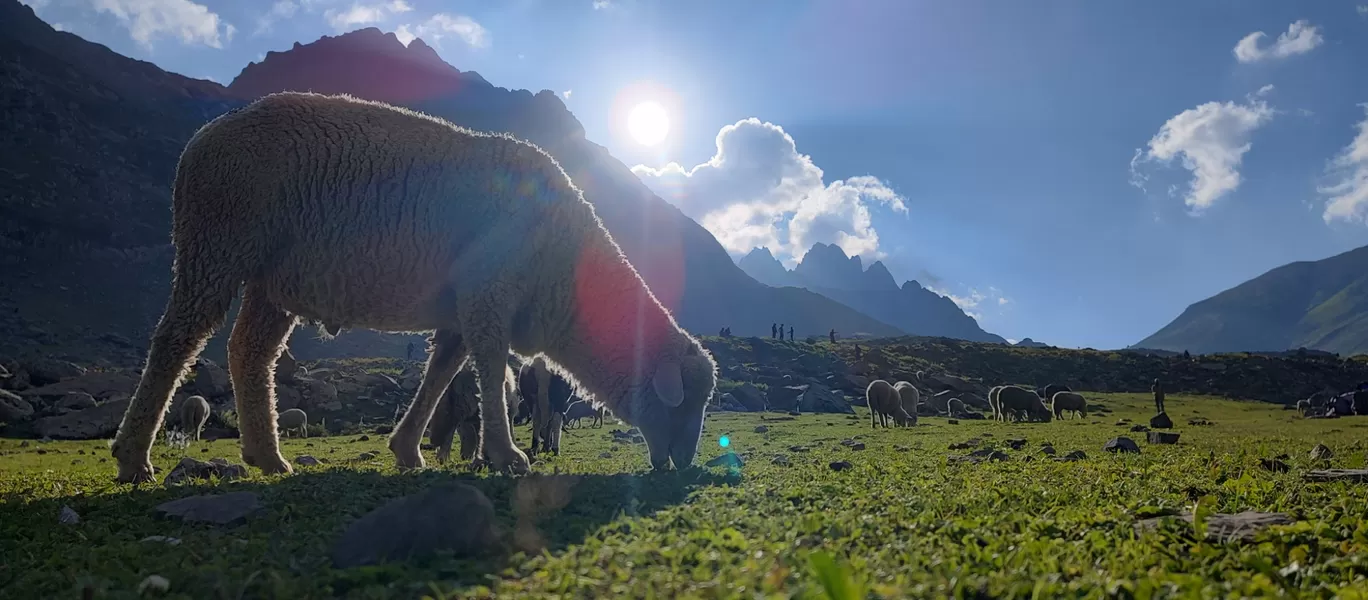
448,355
487,336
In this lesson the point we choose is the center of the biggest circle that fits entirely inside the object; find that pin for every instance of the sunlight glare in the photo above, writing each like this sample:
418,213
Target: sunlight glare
648,123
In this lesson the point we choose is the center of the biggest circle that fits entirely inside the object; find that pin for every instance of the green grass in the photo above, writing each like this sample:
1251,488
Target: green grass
903,522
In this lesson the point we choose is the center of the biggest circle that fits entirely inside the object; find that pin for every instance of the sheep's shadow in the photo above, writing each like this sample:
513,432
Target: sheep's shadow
303,515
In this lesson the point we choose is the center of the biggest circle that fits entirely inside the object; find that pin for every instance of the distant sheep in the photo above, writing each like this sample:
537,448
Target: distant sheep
1048,392
955,407
1303,407
458,414
550,395
994,404
885,403
910,397
194,411
579,410
1063,402
293,420
353,213
1017,403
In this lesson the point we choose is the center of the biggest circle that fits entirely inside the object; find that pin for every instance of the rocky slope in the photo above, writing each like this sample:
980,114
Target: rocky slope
826,270
1320,305
90,143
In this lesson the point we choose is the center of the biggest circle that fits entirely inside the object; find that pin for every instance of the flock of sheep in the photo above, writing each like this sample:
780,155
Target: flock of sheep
899,403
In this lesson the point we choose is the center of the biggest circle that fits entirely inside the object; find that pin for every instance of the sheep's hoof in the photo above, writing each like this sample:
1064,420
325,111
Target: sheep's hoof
269,466
406,455
135,471
510,461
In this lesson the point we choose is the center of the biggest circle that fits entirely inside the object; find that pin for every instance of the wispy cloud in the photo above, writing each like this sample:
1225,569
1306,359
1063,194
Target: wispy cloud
758,190
281,9
147,20
566,94
444,25
1212,140
1301,37
365,14
974,301
1348,196
602,4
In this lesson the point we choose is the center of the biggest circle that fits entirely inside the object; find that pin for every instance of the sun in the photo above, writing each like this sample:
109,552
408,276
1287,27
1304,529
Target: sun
648,123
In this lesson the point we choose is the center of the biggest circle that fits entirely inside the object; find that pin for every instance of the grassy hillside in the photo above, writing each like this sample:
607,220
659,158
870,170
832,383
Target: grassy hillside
905,520
1321,305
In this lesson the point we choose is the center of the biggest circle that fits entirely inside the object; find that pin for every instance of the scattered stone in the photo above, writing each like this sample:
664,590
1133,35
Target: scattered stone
364,438
847,442
798,448
952,421
605,455
1351,475
1322,452
24,444
1162,437
1073,456
1161,421
189,468
1273,464
384,430
154,583
840,465
1048,450
1221,527
857,446
220,509
1137,428
304,460
170,541
900,448
1016,444
1200,421
1121,444
365,456
1122,423
67,516
966,444
729,460
781,460
418,525
91,423
761,429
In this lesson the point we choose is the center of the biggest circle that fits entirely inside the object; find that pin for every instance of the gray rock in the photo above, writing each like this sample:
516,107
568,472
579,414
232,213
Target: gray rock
1162,437
419,525
189,468
74,401
1220,527
13,408
220,509
729,460
1016,444
1139,428
1161,421
67,516
781,460
840,465
1073,456
211,380
286,367
1121,444
304,460
750,397
47,371
91,423
98,385
761,429
1047,450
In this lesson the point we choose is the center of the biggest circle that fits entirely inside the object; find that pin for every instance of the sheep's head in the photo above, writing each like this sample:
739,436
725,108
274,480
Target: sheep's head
671,405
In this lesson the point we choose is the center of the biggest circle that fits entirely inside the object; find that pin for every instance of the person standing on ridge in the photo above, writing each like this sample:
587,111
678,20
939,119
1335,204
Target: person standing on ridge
833,336
410,351
774,330
1158,389
790,333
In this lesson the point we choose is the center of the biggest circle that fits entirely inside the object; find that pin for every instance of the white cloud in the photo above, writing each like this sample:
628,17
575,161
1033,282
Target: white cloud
60,27
602,4
38,4
1212,140
974,301
362,14
1362,10
282,9
757,190
149,19
1301,37
1349,196
566,94
1012,341
442,25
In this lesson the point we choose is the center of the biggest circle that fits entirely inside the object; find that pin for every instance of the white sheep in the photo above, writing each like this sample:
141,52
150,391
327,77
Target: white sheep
458,413
1063,402
911,399
884,403
353,213
292,420
955,407
194,411
1021,404
994,404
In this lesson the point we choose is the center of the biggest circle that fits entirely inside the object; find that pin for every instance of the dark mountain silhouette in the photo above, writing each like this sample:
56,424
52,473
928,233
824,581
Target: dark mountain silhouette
91,139
827,270
1030,343
1319,305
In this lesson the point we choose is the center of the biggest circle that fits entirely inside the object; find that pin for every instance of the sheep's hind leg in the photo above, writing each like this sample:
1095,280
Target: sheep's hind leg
198,305
257,340
447,357
488,341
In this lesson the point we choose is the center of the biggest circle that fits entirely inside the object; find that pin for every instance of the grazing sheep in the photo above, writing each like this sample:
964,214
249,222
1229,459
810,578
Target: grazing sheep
293,420
884,402
458,413
1063,402
910,398
1018,403
578,411
194,411
994,404
1303,407
955,407
1050,390
549,395
353,213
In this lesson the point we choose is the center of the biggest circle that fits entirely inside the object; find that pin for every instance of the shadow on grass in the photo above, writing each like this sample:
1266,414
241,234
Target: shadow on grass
282,550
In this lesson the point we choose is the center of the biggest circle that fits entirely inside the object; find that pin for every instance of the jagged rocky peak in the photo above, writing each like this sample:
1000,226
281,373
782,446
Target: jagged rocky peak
878,277
761,264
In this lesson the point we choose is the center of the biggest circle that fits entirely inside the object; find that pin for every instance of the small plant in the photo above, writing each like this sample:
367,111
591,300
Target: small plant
179,440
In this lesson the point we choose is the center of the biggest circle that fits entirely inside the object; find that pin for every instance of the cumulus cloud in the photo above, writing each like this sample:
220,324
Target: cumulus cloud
1212,140
1348,196
442,25
974,301
758,190
281,9
602,4
363,14
1301,37
149,19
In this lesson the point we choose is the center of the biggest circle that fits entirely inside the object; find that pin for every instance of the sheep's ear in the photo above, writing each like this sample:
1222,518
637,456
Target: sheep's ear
669,383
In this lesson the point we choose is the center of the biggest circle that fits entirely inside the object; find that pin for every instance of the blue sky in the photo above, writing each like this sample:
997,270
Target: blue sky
1000,152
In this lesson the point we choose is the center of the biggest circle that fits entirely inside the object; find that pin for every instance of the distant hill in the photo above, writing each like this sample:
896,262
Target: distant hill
90,142
1320,305
1030,343
826,269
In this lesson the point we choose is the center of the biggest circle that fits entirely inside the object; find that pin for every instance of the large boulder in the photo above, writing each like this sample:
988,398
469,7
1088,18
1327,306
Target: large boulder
1161,421
784,397
13,408
750,397
47,370
73,402
91,423
944,382
819,399
974,400
319,394
211,380
97,385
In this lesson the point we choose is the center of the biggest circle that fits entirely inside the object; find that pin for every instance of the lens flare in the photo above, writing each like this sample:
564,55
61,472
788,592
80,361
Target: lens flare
724,441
